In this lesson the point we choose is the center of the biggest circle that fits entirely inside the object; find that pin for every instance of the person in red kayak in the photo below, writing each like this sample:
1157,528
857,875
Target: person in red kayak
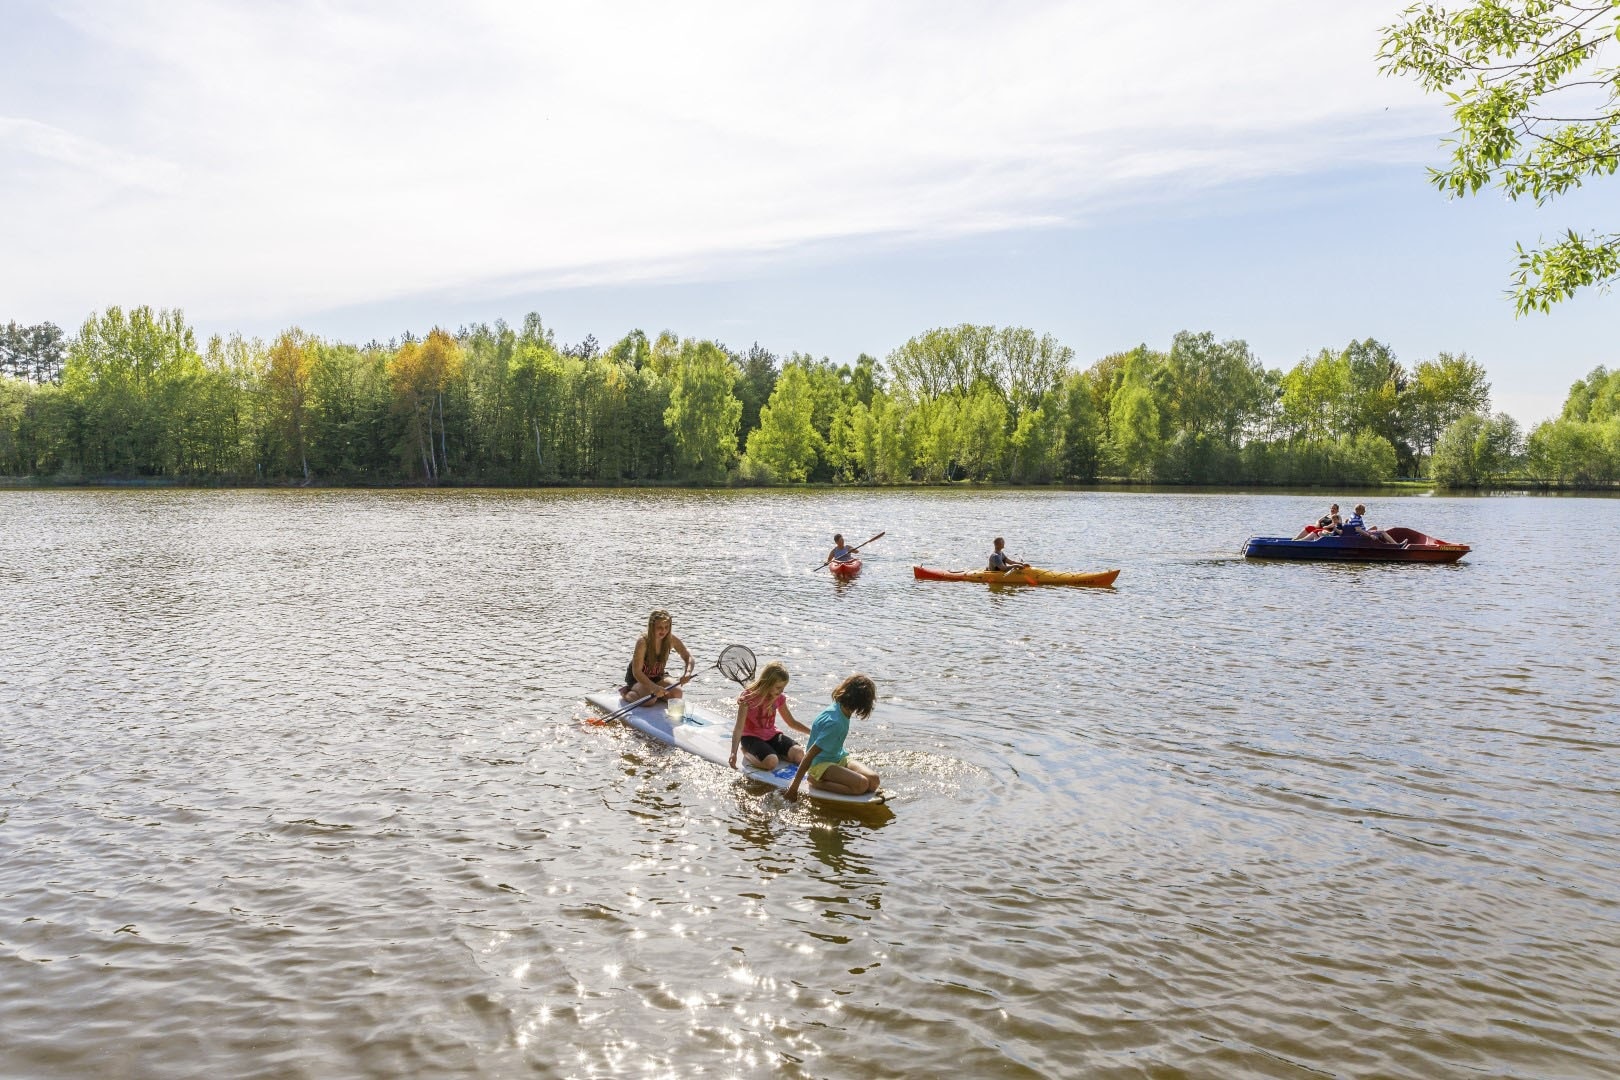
646,675
840,553
1000,560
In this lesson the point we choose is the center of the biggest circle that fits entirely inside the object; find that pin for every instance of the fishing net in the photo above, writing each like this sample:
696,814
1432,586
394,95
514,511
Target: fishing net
736,663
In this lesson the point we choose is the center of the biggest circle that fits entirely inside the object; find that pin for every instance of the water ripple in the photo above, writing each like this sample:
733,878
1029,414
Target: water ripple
298,783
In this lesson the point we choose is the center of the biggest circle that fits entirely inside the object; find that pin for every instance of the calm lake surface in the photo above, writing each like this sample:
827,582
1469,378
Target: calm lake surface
298,784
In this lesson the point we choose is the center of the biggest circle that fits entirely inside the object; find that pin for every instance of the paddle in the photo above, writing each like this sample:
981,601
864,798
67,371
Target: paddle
857,547
735,662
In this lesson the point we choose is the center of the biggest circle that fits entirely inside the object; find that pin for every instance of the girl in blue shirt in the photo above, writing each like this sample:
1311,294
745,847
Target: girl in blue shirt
829,765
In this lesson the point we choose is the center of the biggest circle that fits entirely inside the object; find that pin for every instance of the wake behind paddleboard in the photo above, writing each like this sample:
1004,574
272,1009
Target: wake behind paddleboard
708,736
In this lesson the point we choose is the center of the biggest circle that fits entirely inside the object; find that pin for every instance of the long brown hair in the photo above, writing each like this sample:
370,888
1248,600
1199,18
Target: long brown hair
659,615
856,695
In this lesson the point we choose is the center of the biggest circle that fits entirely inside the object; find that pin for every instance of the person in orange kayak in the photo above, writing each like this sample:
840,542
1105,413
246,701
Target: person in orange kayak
840,553
646,675
756,734
1000,560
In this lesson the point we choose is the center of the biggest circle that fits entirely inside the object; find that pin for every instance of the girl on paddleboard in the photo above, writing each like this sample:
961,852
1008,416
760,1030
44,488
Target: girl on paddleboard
757,709
646,677
829,765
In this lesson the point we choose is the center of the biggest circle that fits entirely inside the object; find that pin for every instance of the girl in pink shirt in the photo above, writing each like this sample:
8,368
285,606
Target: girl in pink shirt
757,709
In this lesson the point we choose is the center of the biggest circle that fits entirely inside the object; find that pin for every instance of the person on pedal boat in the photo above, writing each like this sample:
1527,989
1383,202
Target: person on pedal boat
1327,525
646,675
1001,561
1372,532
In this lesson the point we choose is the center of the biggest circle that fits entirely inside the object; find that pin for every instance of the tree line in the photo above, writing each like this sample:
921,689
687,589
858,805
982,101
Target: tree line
133,395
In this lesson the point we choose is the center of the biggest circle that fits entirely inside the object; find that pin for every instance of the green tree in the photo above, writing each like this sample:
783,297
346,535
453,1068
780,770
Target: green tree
130,375
867,379
756,379
1315,403
786,443
703,412
1575,452
1082,428
1520,77
1025,367
633,349
941,361
933,428
894,435
1134,437
1443,390
421,374
981,431
1596,397
15,460
287,381
1377,383
1476,451
352,424
1210,393
1037,442
35,353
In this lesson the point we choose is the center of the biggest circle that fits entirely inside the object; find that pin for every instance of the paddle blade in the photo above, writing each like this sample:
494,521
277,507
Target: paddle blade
736,663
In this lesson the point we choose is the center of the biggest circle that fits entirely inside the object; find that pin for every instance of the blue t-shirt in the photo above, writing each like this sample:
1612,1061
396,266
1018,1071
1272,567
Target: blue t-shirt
1354,524
827,734
998,560
841,553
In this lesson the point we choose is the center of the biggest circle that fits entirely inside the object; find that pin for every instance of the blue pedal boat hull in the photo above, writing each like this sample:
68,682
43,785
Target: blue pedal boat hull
1411,547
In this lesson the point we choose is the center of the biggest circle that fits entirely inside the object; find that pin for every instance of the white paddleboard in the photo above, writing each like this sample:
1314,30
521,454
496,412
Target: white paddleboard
707,735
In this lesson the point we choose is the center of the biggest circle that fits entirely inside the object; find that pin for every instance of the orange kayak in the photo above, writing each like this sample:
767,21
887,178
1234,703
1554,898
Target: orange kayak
1032,576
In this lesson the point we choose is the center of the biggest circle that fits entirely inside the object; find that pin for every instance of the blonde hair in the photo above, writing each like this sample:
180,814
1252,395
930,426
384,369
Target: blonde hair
659,615
773,672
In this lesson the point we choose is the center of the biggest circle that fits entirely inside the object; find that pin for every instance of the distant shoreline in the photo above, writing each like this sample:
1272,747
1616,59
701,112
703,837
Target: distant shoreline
1411,487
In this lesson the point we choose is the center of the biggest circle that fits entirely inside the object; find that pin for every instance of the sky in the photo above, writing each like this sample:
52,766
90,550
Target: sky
830,178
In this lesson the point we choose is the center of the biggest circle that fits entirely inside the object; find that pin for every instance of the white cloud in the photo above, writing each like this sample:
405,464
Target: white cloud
252,159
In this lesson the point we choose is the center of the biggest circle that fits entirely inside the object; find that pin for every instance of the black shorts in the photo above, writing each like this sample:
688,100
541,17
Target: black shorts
629,689
761,749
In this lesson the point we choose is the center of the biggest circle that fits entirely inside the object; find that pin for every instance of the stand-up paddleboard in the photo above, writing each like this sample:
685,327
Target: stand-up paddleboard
708,736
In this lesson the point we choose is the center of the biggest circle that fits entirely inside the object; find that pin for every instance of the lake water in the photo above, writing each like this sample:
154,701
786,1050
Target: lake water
297,783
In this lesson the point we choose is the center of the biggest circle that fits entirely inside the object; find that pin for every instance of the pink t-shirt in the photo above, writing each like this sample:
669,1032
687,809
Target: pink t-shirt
760,721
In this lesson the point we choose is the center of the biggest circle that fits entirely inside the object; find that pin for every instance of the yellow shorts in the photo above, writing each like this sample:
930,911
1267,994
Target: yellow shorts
822,766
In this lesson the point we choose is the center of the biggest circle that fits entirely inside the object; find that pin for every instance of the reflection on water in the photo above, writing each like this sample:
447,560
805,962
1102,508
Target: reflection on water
296,784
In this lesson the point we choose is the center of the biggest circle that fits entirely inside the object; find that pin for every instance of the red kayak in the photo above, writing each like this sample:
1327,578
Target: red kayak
846,569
